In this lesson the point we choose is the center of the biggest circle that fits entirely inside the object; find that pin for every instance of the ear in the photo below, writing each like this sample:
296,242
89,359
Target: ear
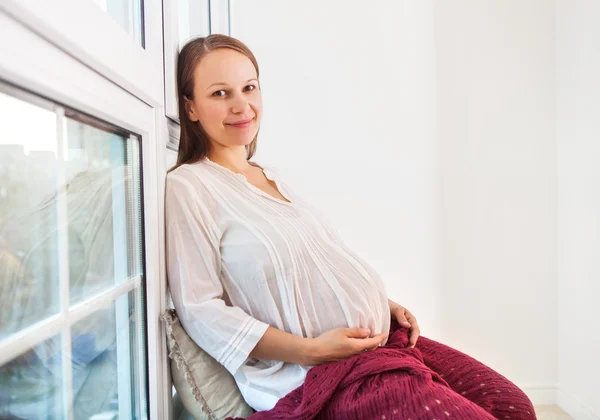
189,109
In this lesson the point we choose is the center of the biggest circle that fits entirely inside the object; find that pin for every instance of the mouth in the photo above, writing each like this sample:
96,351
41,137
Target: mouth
241,124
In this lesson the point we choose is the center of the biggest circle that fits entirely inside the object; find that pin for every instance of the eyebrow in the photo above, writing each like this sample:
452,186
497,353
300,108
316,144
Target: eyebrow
223,83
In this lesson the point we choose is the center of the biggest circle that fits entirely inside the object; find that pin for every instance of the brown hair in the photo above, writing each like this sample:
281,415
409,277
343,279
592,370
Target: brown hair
193,140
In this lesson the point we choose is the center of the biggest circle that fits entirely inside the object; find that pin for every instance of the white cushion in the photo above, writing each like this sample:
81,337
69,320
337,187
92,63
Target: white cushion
207,390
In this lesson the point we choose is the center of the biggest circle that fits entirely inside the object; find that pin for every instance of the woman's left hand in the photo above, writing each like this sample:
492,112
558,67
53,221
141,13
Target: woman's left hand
407,320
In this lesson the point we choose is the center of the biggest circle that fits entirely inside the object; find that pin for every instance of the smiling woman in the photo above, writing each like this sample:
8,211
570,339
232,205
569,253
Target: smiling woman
262,281
215,104
217,83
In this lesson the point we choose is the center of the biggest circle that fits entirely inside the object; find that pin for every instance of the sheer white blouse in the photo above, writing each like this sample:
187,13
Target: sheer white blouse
240,259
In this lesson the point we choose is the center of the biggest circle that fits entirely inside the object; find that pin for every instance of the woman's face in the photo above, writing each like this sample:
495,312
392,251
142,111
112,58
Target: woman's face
226,93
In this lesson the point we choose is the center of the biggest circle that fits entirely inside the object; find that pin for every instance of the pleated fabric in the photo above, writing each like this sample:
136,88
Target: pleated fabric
240,260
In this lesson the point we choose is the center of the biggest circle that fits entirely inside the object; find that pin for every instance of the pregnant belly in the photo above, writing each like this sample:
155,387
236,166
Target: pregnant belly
351,305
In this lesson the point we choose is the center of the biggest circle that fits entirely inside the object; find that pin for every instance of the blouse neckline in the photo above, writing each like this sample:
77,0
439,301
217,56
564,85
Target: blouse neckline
254,188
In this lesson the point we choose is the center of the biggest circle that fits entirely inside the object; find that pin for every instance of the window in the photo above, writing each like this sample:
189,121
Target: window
127,13
120,39
72,325
193,19
88,116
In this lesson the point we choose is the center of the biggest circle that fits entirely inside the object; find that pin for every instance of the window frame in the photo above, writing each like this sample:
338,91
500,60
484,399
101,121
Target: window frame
218,23
108,49
53,73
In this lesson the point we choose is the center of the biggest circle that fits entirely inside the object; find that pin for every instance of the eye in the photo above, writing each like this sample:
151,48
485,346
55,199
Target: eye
216,93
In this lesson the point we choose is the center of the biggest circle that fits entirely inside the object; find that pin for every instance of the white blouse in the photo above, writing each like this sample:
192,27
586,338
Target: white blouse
240,259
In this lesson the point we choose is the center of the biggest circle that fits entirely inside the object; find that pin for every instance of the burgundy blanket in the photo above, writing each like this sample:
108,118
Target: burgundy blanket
430,381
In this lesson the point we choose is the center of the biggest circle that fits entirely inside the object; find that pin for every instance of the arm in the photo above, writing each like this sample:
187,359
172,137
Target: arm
332,345
280,345
225,332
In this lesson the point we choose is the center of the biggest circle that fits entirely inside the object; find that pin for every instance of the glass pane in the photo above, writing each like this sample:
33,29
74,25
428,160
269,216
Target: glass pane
109,361
103,209
76,216
127,13
29,259
193,19
70,221
31,384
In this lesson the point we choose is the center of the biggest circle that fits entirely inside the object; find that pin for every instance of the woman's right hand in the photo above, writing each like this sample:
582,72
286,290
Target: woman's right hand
339,344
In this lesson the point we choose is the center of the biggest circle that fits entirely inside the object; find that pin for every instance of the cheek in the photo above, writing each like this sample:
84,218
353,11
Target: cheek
213,114
256,105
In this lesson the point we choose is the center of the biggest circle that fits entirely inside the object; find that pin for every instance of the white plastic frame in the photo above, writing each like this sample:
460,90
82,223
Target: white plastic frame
218,22
89,34
39,66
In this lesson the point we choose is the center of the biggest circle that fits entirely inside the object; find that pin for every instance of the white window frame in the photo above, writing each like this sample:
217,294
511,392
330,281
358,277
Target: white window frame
173,138
218,22
91,35
171,42
52,72
219,17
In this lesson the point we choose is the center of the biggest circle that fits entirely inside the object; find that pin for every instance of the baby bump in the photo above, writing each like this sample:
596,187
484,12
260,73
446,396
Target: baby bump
350,305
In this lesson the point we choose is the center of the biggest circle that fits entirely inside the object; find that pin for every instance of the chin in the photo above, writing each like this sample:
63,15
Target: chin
246,141
240,142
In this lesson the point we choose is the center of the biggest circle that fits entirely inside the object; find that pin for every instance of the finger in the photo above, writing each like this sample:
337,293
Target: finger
414,335
371,343
399,315
411,318
370,348
357,332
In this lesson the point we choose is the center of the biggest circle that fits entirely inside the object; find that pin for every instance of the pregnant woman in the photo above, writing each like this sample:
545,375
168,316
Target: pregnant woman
262,281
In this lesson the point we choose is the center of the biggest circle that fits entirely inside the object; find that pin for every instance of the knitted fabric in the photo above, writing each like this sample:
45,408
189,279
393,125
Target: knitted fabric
430,381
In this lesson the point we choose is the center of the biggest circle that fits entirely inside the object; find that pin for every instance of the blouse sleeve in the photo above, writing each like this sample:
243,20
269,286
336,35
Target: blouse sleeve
225,332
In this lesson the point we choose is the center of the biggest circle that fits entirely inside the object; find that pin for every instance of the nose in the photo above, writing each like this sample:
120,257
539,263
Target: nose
239,104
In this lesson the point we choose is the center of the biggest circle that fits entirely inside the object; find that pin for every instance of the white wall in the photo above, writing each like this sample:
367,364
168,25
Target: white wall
428,132
349,114
496,113
578,135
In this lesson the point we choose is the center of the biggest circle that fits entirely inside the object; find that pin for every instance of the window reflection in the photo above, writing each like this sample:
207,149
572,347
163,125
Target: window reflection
31,384
105,362
70,226
29,282
97,183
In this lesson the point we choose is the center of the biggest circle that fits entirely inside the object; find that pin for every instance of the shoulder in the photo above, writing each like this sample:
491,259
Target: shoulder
191,181
195,175
188,171
189,202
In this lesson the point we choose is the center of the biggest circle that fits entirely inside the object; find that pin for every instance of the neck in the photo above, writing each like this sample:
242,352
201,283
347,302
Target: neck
233,159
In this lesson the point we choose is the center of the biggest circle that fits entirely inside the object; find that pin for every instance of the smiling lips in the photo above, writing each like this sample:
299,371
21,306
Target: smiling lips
242,124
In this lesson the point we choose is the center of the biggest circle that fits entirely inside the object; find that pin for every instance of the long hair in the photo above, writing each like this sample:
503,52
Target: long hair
193,140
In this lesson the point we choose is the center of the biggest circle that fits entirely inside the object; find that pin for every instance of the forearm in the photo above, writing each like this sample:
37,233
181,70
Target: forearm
276,344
